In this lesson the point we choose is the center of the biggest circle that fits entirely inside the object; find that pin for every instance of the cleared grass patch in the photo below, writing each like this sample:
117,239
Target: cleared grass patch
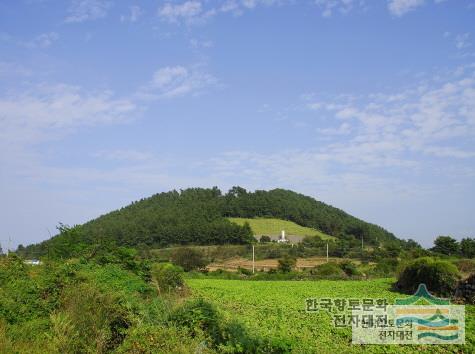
273,227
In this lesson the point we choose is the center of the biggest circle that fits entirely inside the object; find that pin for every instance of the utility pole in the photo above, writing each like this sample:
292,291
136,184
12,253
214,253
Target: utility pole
327,252
253,260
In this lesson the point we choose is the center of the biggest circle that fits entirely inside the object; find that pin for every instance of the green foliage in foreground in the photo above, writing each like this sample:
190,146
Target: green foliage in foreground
272,226
274,310
84,307
440,276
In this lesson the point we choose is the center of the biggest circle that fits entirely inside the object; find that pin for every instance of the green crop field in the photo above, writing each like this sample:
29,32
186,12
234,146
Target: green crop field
270,226
276,310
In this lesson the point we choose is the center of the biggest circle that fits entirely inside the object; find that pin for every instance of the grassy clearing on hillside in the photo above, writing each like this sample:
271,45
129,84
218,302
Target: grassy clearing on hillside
269,226
276,310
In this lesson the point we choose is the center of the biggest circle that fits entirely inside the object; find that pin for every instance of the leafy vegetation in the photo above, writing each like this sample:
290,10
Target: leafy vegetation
189,258
441,277
274,310
167,277
286,264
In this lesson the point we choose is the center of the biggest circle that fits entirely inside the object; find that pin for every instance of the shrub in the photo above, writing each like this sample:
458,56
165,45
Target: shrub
244,271
286,264
440,276
264,239
145,338
189,259
350,268
167,276
202,319
467,247
199,317
329,270
386,267
274,252
466,265
97,320
466,290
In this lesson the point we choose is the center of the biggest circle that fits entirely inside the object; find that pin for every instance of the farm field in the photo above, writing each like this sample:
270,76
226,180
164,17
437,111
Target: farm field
273,227
233,264
276,310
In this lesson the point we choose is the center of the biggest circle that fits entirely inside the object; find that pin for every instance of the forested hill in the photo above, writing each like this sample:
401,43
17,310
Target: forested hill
199,216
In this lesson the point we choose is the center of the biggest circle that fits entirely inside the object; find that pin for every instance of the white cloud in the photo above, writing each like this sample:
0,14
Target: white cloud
401,7
13,69
135,13
44,112
193,12
329,7
87,10
128,155
462,41
43,40
435,118
175,81
200,44
188,11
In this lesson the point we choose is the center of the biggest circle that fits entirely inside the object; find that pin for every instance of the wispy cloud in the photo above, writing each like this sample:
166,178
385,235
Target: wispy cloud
43,40
13,69
192,12
330,7
133,16
175,81
435,118
44,112
401,7
189,12
462,41
87,10
127,155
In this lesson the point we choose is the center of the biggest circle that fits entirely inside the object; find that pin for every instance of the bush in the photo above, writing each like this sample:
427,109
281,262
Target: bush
466,290
200,318
466,265
350,268
90,320
244,271
264,239
189,259
167,276
147,338
286,264
329,270
386,267
440,277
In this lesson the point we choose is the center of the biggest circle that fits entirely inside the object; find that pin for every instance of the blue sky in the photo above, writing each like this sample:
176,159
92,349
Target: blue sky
366,105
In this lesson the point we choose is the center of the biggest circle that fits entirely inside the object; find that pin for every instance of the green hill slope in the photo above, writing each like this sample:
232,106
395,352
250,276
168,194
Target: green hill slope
271,226
200,216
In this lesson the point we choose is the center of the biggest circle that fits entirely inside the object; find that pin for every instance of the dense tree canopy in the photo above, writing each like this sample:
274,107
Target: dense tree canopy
199,216
446,245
